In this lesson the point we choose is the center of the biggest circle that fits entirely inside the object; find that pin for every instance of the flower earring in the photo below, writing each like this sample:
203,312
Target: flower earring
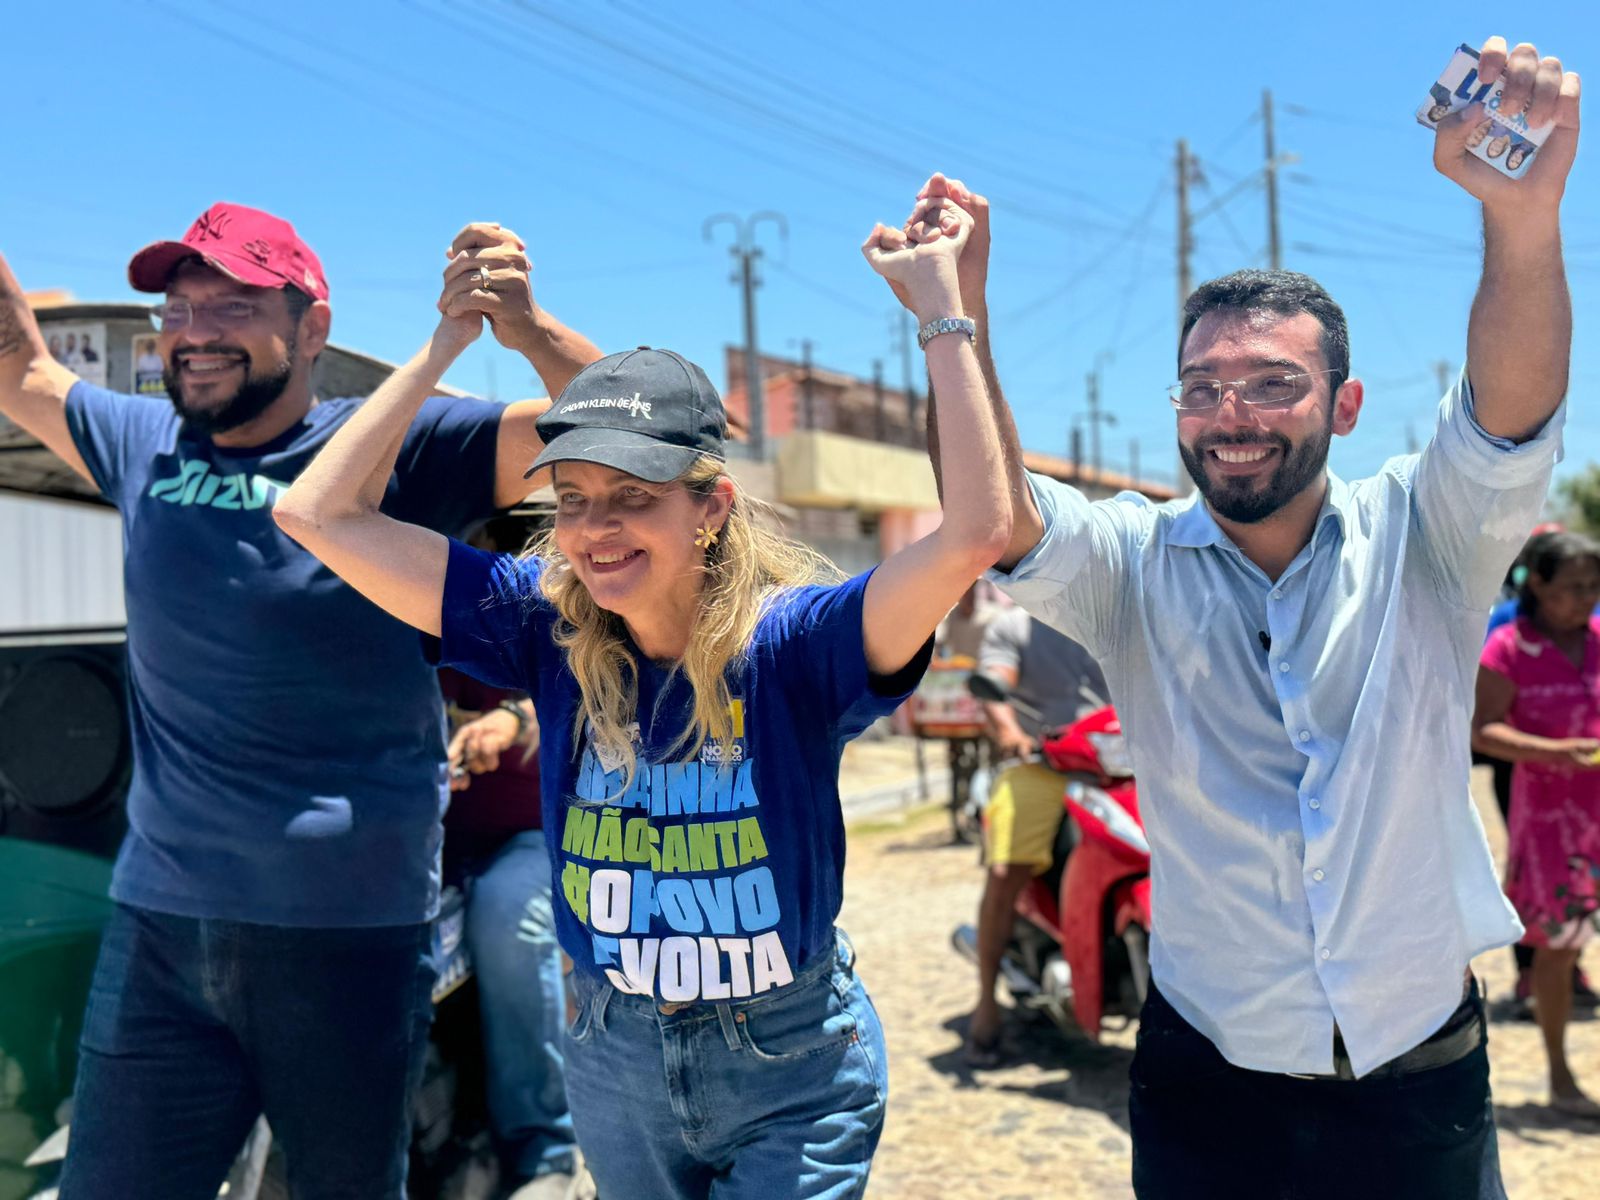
705,538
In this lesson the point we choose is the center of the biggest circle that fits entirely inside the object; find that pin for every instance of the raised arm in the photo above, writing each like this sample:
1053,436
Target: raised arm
1519,338
333,508
489,272
913,590
33,386
973,276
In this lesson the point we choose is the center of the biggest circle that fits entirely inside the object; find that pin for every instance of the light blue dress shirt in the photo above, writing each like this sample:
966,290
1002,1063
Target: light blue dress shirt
1317,858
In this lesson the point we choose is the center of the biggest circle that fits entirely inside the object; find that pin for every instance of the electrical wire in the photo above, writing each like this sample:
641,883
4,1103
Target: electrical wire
1038,303
823,289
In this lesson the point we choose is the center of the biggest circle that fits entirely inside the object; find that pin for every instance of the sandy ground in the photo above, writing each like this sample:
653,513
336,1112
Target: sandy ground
1053,1121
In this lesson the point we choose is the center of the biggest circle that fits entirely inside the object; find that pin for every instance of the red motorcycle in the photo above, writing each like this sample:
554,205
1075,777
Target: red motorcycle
1080,947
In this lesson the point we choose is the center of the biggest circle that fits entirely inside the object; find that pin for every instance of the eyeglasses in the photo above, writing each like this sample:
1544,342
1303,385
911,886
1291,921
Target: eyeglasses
180,314
1260,391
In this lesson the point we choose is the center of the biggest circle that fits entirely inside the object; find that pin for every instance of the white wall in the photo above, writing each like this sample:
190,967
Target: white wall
60,565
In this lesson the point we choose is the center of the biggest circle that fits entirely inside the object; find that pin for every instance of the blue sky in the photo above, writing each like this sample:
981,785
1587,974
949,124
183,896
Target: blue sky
607,132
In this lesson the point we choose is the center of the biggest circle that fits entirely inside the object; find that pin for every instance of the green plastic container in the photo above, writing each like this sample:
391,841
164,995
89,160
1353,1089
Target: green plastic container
54,903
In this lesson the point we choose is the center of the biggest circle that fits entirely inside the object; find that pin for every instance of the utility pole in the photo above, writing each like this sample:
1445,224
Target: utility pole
878,404
1093,382
1441,372
1185,249
1077,454
1096,417
901,327
746,254
1274,244
1133,462
807,385
1185,230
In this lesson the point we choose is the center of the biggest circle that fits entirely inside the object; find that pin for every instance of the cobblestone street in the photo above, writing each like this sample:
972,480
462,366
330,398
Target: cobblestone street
1052,1121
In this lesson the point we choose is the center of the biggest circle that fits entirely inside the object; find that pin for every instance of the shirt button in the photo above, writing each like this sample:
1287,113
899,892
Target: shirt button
1327,954
1314,802
1317,875
1277,593
1283,668
1305,735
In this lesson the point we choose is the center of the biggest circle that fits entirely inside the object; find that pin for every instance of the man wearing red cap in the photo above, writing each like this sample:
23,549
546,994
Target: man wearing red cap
270,946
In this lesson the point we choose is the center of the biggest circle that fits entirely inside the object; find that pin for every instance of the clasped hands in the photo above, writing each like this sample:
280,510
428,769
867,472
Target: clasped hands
488,276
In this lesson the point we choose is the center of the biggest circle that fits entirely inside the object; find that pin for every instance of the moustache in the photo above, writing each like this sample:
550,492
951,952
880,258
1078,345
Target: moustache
213,351
1241,441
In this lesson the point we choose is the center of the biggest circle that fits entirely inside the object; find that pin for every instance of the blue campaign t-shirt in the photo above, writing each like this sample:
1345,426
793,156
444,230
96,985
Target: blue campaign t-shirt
1503,613
715,876
288,746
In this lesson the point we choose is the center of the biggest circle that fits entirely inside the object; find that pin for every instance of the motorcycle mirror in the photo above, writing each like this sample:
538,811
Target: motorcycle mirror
987,688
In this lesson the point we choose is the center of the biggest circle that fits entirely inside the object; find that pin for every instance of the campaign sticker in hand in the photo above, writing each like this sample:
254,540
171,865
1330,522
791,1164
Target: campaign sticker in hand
1503,140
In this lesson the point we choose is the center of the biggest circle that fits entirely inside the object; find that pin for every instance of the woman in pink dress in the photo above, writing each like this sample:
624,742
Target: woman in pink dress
1538,706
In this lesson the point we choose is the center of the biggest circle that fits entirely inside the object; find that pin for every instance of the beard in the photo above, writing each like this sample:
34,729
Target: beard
1246,501
255,395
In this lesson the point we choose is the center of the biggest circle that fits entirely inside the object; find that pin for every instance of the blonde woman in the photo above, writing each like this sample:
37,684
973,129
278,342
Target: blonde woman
696,677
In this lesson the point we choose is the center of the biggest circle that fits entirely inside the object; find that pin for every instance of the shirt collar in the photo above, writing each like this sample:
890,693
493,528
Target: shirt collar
1194,526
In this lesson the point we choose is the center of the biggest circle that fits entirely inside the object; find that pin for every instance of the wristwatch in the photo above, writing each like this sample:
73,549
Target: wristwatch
933,329
514,707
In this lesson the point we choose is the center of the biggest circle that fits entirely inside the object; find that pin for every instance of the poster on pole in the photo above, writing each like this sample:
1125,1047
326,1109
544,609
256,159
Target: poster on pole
147,366
80,347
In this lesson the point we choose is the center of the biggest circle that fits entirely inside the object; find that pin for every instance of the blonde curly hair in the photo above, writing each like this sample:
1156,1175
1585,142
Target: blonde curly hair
750,564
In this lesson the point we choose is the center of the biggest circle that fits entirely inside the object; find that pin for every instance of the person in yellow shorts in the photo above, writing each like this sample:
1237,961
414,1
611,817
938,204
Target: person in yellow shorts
1024,818
1056,677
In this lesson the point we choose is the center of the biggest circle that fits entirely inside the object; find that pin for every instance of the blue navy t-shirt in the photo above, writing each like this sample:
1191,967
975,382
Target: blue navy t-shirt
715,876
288,742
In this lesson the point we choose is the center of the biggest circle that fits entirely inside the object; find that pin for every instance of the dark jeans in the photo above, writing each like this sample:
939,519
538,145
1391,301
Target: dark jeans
194,1027
1204,1128
511,935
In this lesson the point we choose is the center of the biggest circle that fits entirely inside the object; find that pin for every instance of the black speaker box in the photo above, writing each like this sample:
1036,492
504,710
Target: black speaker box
65,751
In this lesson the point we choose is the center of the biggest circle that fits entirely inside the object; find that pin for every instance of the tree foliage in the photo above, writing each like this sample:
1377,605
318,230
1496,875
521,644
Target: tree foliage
1579,499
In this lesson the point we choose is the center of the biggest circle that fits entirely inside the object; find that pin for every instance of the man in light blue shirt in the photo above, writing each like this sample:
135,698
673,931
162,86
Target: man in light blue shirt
1293,660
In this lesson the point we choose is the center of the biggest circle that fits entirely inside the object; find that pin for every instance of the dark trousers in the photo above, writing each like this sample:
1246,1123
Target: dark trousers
194,1027
1204,1129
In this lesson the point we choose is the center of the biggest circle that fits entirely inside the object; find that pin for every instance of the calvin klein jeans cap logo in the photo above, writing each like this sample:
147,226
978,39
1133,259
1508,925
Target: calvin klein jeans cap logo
633,405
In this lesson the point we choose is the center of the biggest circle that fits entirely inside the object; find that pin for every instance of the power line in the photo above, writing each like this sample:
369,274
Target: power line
257,49
1237,132
823,289
1057,291
602,151
1369,222
793,92
1136,277
976,92
1220,211
1313,114
1392,257
741,103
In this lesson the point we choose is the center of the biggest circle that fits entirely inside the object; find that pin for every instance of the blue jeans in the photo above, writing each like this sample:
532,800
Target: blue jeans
511,937
776,1098
193,1027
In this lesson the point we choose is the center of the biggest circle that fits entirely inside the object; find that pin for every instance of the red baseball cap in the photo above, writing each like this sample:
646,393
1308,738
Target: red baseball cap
246,244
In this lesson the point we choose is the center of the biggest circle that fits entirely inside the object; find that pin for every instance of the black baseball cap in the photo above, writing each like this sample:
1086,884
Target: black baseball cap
650,413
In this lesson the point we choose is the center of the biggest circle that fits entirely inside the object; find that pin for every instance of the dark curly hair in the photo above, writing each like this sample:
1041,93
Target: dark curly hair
1545,555
1284,292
